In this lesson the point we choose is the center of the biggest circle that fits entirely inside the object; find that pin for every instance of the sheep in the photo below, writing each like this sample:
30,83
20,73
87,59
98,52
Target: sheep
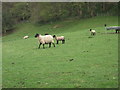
60,38
47,39
25,37
93,32
117,28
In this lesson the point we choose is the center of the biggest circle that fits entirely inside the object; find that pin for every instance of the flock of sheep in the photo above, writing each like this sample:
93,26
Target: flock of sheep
49,39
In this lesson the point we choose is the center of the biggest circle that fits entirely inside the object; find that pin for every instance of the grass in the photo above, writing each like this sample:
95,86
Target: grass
94,64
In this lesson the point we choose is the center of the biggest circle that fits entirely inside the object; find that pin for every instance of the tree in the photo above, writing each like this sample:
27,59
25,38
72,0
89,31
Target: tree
45,12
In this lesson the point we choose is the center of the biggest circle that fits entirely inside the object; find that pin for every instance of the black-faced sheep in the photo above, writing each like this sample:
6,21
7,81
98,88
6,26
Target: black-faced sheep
93,32
47,39
60,38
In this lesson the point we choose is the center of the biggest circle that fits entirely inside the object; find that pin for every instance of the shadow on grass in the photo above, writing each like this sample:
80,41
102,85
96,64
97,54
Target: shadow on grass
41,48
90,37
110,33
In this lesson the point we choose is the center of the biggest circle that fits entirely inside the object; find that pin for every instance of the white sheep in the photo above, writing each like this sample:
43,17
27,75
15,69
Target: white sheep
25,37
93,32
47,39
60,38
117,28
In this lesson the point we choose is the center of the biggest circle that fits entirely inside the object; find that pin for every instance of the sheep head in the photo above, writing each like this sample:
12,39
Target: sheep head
54,36
36,35
105,25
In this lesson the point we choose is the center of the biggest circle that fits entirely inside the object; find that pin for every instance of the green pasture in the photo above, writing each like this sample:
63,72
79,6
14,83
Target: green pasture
84,61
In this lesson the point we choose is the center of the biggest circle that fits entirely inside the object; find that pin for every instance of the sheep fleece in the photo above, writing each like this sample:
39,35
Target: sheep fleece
60,38
46,39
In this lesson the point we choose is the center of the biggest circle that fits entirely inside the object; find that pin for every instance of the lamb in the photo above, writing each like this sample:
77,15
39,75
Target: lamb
25,37
93,32
47,39
60,38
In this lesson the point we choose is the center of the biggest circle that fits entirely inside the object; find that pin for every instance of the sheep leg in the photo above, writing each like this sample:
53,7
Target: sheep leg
49,45
63,41
43,46
39,45
57,41
53,44
116,31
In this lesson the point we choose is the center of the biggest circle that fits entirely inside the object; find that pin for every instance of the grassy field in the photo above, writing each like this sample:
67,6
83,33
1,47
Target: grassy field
94,64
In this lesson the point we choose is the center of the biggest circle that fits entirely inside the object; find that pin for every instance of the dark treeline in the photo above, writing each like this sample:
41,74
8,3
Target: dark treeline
44,12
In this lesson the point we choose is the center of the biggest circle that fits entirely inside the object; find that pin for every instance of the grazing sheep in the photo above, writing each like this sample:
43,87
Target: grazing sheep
25,37
93,32
117,28
60,38
47,39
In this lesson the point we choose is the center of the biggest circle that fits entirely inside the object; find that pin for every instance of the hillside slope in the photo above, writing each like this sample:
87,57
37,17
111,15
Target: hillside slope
94,59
